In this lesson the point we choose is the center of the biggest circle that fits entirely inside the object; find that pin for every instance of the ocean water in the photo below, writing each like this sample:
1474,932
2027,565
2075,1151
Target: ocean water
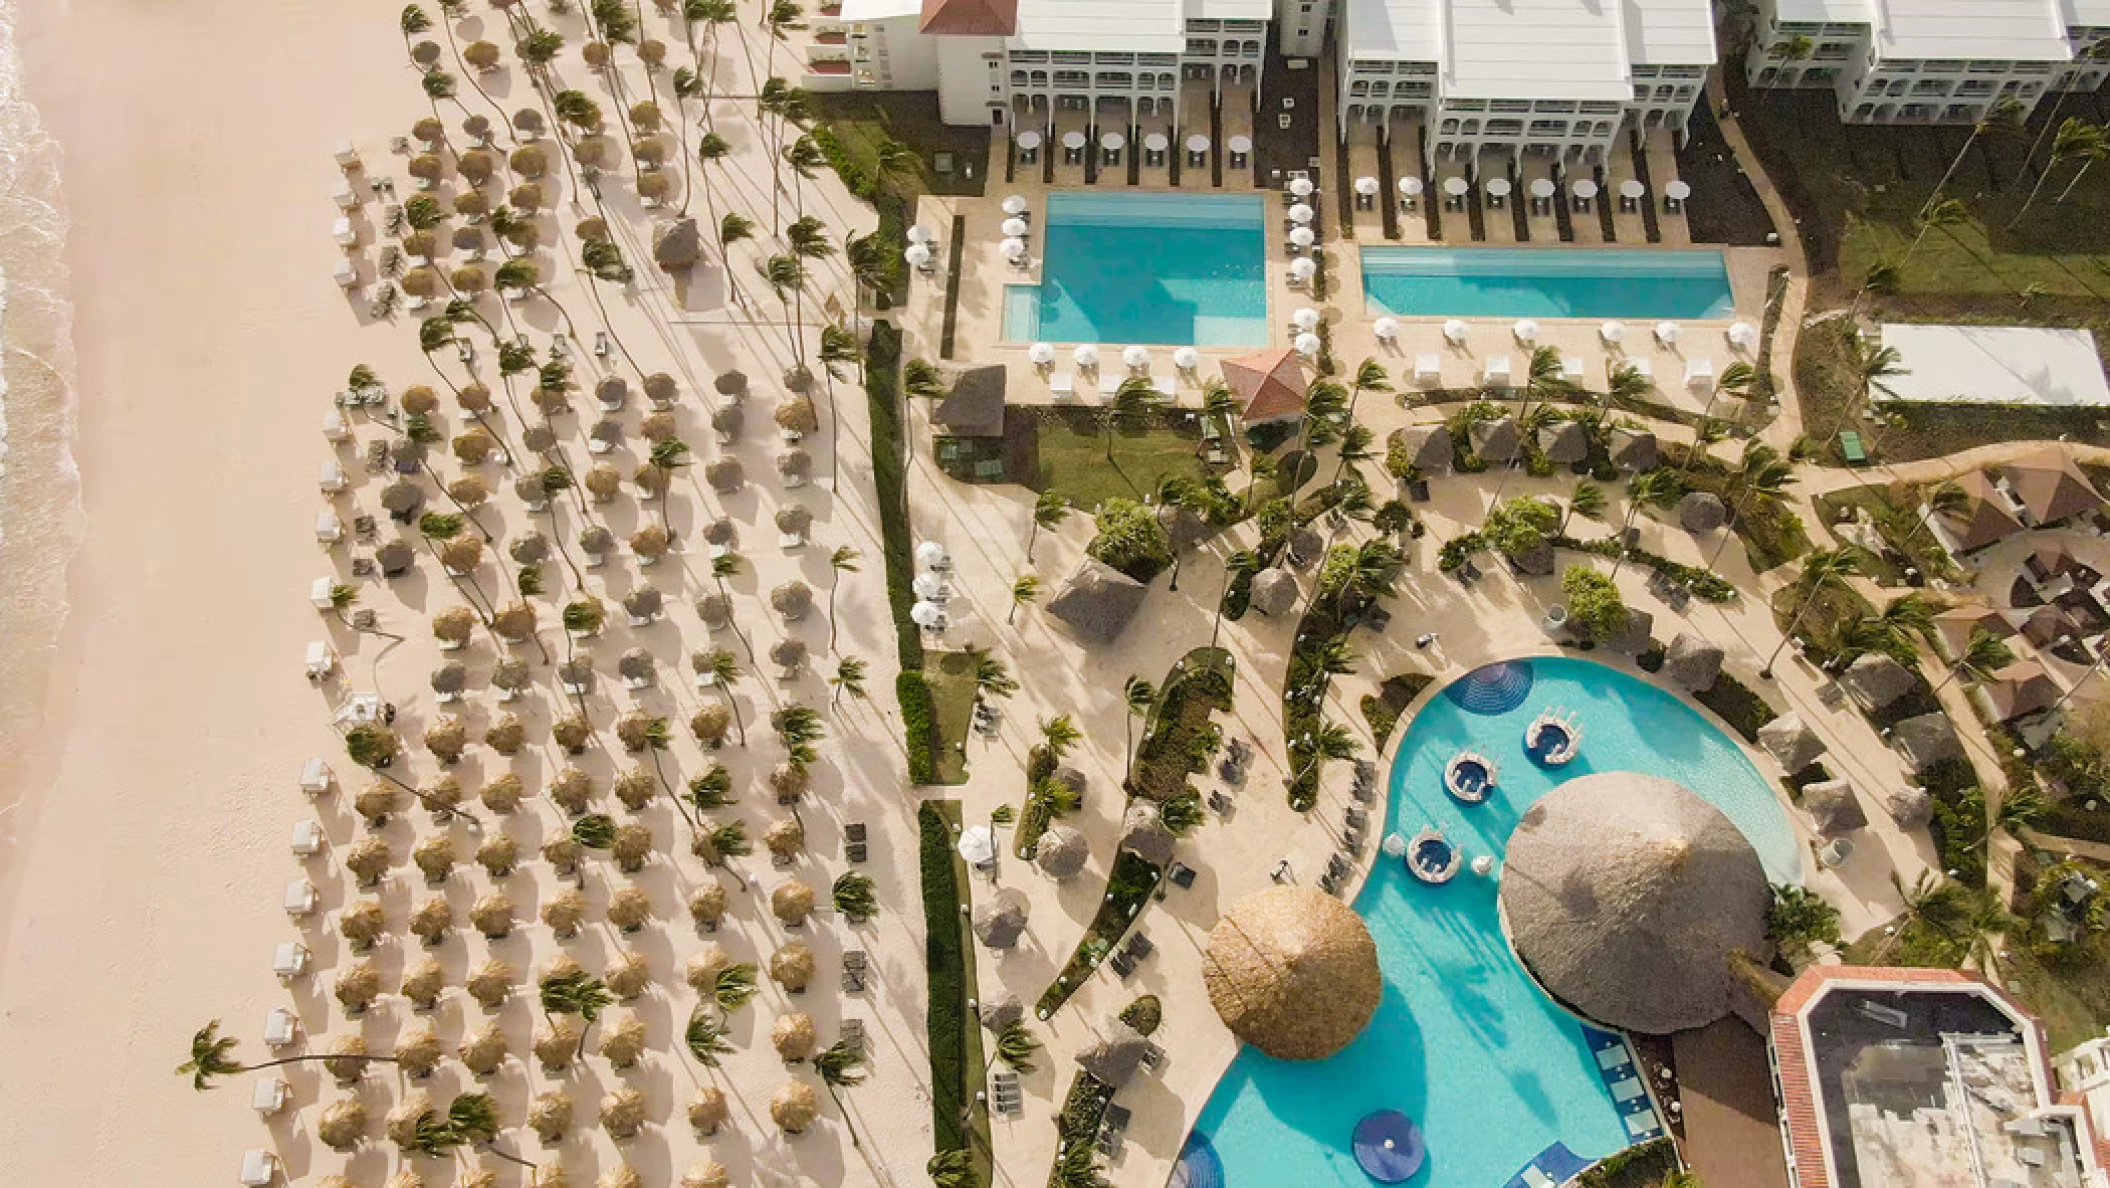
1546,283
40,510
1155,269
1464,1042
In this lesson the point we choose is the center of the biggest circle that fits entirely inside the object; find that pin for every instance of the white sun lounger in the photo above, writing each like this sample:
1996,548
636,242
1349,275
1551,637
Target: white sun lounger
1538,1179
280,1028
319,595
346,199
347,277
307,838
344,233
321,661
300,898
1699,373
316,776
1165,385
330,479
259,1168
289,960
328,528
1641,366
1495,370
1626,1090
1641,1124
333,426
1571,369
1428,369
788,541
1063,385
270,1095
1613,1057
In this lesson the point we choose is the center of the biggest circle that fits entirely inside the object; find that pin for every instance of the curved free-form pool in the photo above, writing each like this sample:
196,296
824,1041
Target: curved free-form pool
1491,1070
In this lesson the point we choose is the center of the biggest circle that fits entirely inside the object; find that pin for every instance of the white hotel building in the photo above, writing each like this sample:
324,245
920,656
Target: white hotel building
1560,78
1928,61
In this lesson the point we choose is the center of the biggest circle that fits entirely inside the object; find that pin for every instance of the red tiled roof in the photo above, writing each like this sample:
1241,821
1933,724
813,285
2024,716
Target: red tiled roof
974,18
2051,486
1270,383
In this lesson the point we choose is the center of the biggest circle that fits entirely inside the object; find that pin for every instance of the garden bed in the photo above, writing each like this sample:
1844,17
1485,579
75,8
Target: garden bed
890,482
1382,710
1739,705
959,1120
1128,888
1178,735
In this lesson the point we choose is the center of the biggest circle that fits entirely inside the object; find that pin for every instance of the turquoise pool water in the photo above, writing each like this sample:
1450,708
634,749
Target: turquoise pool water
1464,1042
1546,283
1155,269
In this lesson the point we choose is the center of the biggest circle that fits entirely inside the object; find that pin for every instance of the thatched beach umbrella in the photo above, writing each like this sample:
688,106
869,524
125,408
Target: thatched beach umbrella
419,400
725,475
395,558
792,966
564,912
423,982
707,904
527,196
1426,448
483,1051
623,1040
623,1113
357,986
446,738
629,908
655,428
498,854
470,491
1910,806
708,1110
791,902
636,786
731,384
1702,512
538,439
550,1115
1143,833
557,1043
716,610
491,982
1273,591
454,625
791,601
661,389
1000,922
503,794
418,1050
368,859
794,1106
402,499
1693,662
1876,680
788,653
450,677
378,801
432,920
1790,741
1096,601
706,1173
796,414
1114,1060
702,968
572,790
632,846
1495,440
410,1177
1293,972
563,852
794,466
338,1060
635,664
528,122
362,923
788,781
441,794
710,722
603,482
473,448
794,1037
622,1175
612,392
794,520
401,1125
1061,852
636,729
529,548
551,402
628,974
1627,897
343,1125
784,839
493,916
650,543
726,421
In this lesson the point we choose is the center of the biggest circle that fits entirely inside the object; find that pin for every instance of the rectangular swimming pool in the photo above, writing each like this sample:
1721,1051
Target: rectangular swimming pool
1153,269
1546,283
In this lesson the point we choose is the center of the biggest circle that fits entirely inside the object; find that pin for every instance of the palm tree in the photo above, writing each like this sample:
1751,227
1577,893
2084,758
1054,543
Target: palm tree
667,454
724,668
843,560
1890,630
1763,476
1369,377
732,228
1736,380
786,274
1983,653
991,678
849,678
722,568
705,1038
1049,511
1024,592
840,1066
576,993
1015,1046
1820,567
2005,113
950,1169
1138,695
1134,400
1330,741
212,1055
1795,49
1651,488
2094,148
412,22
2075,138
522,274
1945,498
853,896
1059,734
1588,501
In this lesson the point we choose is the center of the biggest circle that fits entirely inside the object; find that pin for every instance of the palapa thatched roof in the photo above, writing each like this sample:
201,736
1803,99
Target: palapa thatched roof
1634,450
1833,807
676,244
1634,635
1626,895
1427,448
1113,1061
1876,680
1790,741
725,475
797,414
1495,440
788,653
975,407
1143,833
1693,662
1001,1011
1701,511
731,383
644,602
1096,601
402,499
529,548
1061,852
1000,921
1909,805
1293,972
635,665
1182,527
794,520
1564,443
727,420
1274,591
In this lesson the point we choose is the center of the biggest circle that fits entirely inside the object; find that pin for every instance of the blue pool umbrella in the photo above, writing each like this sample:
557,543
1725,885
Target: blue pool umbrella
1388,1146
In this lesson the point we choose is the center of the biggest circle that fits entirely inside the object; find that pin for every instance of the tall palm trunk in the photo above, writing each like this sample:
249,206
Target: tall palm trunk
447,25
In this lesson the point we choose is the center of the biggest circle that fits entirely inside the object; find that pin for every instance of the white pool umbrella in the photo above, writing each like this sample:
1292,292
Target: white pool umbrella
1386,328
1300,187
1240,144
1366,186
1014,227
1667,333
1156,142
1014,204
1677,191
1112,141
1302,215
1303,237
1308,344
1014,249
1394,845
1306,318
1498,186
930,554
978,845
1612,332
1086,354
1454,331
1632,188
1303,268
1541,188
1135,357
1074,140
1410,186
1186,358
925,614
917,254
1197,143
920,234
1584,188
1741,334
928,585
1029,139
1456,186
1041,353
1527,332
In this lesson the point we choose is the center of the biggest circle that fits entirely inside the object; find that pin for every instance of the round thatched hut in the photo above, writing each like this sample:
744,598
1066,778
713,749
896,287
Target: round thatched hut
1293,972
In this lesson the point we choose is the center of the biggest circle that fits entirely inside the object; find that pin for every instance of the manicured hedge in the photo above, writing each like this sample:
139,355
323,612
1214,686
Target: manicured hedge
954,1069
890,477
1739,705
919,727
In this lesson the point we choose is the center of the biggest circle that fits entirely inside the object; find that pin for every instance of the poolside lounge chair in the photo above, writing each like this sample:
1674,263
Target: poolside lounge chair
1538,1179
1063,385
281,1028
315,776
328,528
300,898
321,661
1428,369
270,1095
289,960
601,345
1165,385
259,1167
1495,371
1699,373
1571,369
307,838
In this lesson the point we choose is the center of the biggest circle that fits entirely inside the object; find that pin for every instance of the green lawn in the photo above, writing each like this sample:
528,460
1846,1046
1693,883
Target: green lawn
1073,461
951,677
863,119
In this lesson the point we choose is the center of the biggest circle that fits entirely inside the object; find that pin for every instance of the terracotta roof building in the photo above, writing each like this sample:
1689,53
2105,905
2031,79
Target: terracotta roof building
1985,519
2049,486
1919,1078
970,18
1269,386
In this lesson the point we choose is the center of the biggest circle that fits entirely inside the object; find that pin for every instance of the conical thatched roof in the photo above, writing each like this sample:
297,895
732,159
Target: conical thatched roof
794,464
1143,833
1097,601
794,520
531,548
1274,591
975,408
1495,440
795,414
635,665
1833,807
676,244
1911,807
1788,739
794,1106
1183,527
727,419
1000,921
1634,450
1427,448
731,383
1633,636
1061,852
395,557
1701,511
1115,1059
644,602
725,475
791,600
1293,972
789,652
1565,443
1000,1012
716,610
1876,679
1693,662
1626,895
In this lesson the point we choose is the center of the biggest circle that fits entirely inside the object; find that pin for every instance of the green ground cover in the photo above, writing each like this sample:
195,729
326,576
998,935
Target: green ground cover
952,690
958,1120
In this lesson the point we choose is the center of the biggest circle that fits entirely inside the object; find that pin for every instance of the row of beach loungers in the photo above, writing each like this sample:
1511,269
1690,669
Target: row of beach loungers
1355,825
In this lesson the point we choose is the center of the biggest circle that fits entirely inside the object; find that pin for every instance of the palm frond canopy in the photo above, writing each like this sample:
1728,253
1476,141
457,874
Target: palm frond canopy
1293,972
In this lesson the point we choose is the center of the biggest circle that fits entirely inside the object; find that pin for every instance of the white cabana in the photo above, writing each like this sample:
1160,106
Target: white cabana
1186,358
2033,366
931,555
1527,332
1086,355
1302,215
1366,186
1305,318
1454,332
1612,333
1041,353
1743,335
1135,358
1014,227
1667,334
1302,269
1014,249
1308,345
1300,187
1015,205
1302,237
1386,329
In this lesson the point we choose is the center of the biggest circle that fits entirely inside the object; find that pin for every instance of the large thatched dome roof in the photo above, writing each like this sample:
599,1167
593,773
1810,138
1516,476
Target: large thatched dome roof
1626,896
1293,972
